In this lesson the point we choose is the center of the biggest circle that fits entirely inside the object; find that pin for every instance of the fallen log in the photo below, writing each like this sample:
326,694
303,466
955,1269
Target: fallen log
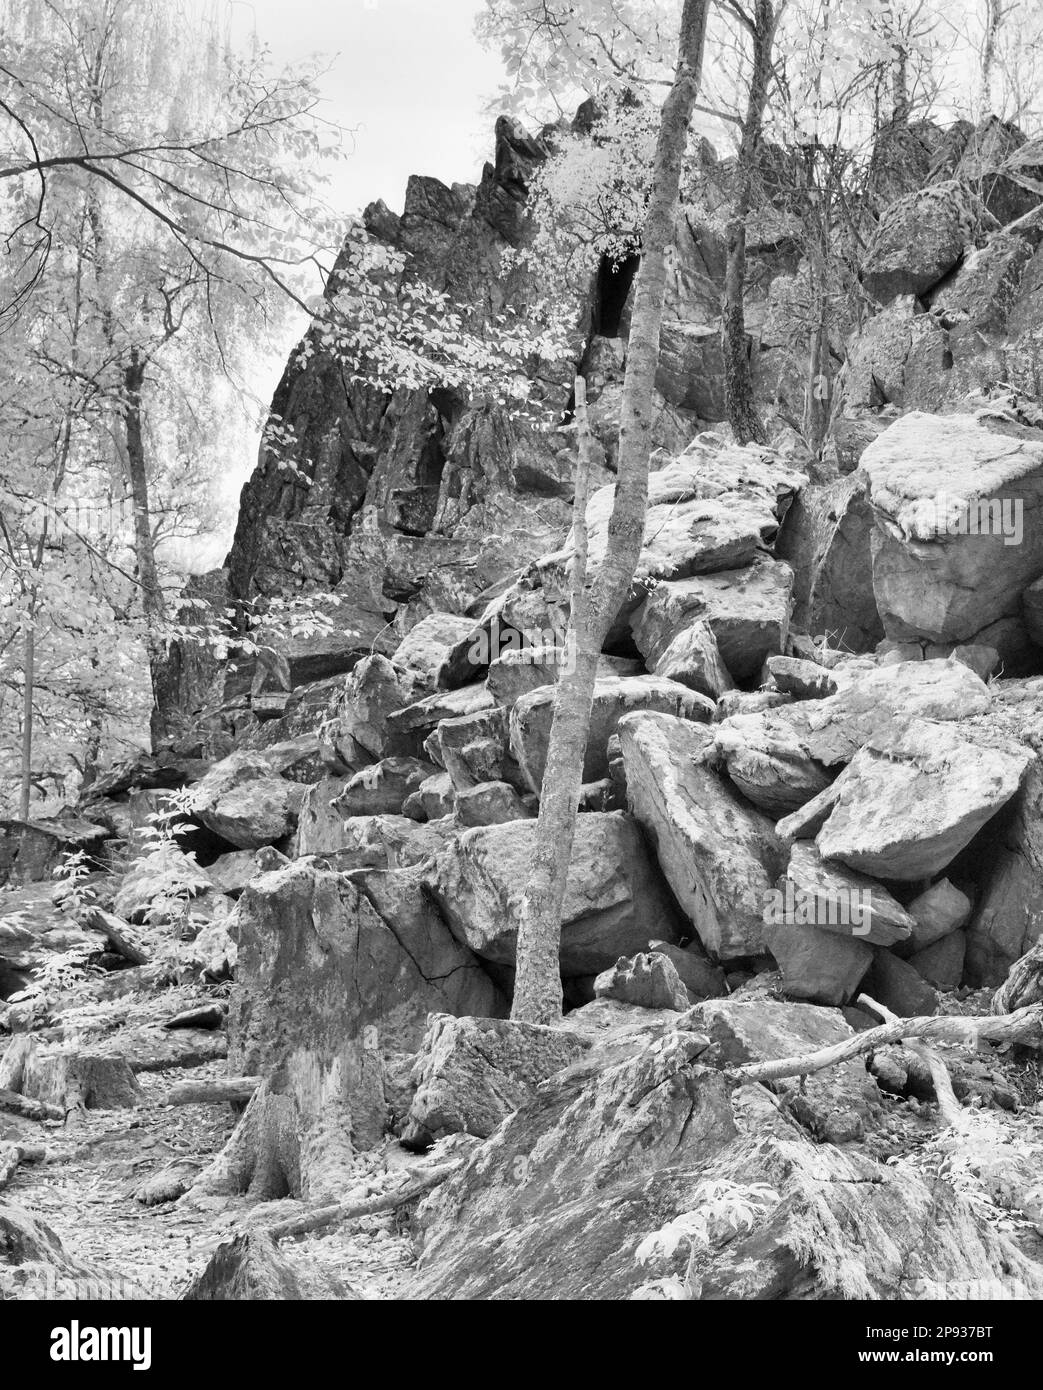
236,1090
1022,1026
29,1109
119,934
350,1211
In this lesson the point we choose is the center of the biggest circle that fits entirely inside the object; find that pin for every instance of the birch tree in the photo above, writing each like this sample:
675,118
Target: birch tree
537,996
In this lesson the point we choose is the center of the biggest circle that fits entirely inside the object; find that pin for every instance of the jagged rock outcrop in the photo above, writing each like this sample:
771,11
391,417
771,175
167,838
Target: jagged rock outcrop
612,1151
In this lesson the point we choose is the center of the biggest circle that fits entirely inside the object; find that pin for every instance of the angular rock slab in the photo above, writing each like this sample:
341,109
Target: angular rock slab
846,902
424,650
748,612
614,697
615,900
719,856
907,806
779,758
355,731
936,912
822,967
768,761
827,539
1008,916
694,659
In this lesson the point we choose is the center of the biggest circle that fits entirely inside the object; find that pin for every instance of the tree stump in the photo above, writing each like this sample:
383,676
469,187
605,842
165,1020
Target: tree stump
330,1005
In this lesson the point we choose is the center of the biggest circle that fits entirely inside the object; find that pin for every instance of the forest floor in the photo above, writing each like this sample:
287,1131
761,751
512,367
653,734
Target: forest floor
89,1187
85,1193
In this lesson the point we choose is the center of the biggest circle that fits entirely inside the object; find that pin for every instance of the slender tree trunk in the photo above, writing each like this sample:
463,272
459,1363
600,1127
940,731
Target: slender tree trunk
144,546
818,385
742,411
537,992
901,105
29,669
32,594
993,20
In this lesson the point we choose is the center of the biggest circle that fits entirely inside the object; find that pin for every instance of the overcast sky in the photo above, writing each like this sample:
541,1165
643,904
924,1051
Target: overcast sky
407,76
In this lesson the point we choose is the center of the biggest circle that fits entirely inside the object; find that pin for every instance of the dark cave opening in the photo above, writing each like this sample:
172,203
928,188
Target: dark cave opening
610,297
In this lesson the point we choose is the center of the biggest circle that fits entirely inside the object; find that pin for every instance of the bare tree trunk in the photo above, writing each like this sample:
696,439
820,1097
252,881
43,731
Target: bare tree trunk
29,676
900,103
993,20
818,384
144,546
32,592
537,992
742,412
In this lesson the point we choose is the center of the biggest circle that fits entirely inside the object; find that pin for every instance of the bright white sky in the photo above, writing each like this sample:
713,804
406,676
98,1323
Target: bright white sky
407,76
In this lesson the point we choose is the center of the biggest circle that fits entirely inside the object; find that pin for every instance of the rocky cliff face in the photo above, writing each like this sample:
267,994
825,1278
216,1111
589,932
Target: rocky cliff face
784,592
813,775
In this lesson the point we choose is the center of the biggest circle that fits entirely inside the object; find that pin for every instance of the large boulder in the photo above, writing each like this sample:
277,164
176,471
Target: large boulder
473,749
906,806
719,856
999,160
592,1176
900,357
781,759
822,967
921,237
425,648
245,803
693,658
837,899
647,980
826,539
958,537
615,901
30,851
355,730
517,670
383,787
691,369
491,803
768,760
1008,915
614,697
